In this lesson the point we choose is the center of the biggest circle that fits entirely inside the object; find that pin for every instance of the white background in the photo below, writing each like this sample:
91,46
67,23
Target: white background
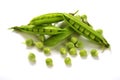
13,54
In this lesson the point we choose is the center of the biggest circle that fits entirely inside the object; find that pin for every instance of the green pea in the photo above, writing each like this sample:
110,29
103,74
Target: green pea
83,53
74,40
100,31
94,53
84,17
79,44
32,58
70,45
41,37
39,45
67,61
73,51
84,20
29,42
49,62
63,51
46,50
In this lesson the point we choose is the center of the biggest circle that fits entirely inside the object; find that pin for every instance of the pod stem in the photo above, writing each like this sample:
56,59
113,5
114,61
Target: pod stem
15,28
74,12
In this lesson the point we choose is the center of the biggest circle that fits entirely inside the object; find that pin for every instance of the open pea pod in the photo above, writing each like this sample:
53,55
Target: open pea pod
85,30
46,30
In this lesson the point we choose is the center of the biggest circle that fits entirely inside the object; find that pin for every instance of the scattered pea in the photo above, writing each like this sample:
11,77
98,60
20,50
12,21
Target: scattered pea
74,40
39,45
41,37
83,53
73,51
67,61
100,31
31,57
70,45
46,50
94,53
63,51
49,62
79,44
29,42
84,17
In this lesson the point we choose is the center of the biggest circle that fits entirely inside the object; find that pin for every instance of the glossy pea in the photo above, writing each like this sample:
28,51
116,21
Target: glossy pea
85,30
94,53
83,53
32,58
29,42
100,31
73,40
79,44
67,61
73,51
39,45
69,45
46,50
63,51
49,62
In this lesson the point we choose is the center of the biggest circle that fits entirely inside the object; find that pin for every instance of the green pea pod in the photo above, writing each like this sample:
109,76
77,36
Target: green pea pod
48,30
47,18
55,39
85,30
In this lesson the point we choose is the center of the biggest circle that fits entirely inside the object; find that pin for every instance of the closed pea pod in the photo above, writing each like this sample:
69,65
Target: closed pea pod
47,18
85,30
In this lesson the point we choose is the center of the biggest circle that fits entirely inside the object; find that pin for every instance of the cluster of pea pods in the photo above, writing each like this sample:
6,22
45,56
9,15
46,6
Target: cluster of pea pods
46,25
